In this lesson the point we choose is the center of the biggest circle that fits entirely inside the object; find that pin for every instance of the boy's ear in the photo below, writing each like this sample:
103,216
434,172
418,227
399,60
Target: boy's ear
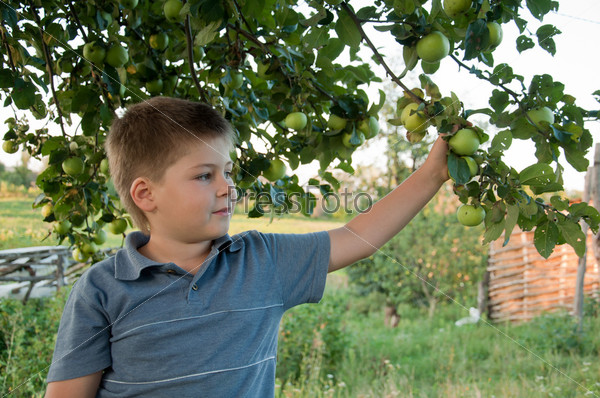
141,193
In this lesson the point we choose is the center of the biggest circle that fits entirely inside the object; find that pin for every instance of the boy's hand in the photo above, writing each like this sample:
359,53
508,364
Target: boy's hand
436,163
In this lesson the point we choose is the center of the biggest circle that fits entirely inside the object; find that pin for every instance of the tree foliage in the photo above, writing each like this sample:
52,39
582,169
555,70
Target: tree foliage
73,65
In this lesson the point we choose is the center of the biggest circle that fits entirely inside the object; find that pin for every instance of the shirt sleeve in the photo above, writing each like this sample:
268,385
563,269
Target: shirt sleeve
301,263
82,343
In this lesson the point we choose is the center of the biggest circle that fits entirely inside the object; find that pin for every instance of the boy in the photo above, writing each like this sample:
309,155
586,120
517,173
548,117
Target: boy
184,309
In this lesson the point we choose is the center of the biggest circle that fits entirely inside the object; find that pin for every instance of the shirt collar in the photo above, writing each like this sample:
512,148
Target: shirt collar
129,263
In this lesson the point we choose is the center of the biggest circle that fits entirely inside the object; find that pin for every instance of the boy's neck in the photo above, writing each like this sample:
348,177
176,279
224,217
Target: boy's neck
188,256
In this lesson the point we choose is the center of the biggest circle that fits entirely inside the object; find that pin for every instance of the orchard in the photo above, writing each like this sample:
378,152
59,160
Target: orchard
291,77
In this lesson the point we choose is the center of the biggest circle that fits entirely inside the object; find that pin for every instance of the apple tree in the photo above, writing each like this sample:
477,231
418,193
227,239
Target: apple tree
289,76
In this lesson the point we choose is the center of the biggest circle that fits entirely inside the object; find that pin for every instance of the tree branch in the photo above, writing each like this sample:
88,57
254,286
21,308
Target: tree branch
48,60
190,51
506,89
379,57
5,41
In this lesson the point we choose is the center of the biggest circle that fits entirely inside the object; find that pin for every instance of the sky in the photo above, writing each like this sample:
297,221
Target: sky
575,65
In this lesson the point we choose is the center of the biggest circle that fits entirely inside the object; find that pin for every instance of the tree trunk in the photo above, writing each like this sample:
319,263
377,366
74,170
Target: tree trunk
482,294
391,316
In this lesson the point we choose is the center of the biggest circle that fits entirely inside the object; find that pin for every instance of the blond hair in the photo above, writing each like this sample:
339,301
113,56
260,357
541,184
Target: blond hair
151,136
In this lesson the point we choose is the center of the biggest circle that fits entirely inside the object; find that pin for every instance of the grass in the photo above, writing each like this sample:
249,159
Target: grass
431,357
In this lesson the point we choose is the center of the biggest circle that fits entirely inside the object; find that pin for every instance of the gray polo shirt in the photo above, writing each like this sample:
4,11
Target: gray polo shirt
156,330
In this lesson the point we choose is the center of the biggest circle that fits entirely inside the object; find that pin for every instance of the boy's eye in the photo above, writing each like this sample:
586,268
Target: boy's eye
203,177
229,174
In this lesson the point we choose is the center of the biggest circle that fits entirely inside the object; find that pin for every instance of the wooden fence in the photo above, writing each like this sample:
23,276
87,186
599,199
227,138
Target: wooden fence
45,268
522,284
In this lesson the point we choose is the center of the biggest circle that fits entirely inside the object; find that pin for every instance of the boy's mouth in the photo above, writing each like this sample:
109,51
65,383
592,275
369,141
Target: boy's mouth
225,211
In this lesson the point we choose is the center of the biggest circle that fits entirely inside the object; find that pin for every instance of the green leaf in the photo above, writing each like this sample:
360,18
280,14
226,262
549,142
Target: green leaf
522,129
493,231
539,8
512,215
458,168
537,174
499,100
524,43
545,36
477,38
501,141
545,238
317,37
333,49
347,30
52,144
207,34
574,236
558,203
576,158
23,94
7,79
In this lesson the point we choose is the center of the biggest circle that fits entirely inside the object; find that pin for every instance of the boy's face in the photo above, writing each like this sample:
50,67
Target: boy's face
195,198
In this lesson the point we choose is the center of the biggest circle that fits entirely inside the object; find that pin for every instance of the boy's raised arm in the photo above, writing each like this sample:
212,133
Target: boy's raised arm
368,231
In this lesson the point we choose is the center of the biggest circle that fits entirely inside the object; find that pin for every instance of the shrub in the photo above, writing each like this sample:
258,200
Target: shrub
312,341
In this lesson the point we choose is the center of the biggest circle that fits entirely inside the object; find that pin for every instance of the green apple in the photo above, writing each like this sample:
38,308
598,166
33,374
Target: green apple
117,226
128,4
159,41
495,34
454,8
296,121
246,182
79,256
413,137
10,147
73,166
336,123
470,215
155,86
542,115
171,10
47,210
62,227
347,140
104,169
73,146
465,142
89,248
100,237
369,127
473,166
430,68
275,171
412,120
433,47
94,53
237,79
117,56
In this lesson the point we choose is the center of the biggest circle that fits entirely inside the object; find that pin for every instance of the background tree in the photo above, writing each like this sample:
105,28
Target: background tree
74,65
432,260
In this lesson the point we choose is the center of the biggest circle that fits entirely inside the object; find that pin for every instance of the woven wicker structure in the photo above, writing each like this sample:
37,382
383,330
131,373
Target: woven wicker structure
522,284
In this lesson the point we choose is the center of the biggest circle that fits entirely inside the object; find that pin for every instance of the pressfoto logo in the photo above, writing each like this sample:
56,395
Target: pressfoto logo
312,200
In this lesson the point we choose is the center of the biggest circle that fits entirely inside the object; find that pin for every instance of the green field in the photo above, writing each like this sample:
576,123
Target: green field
341,348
